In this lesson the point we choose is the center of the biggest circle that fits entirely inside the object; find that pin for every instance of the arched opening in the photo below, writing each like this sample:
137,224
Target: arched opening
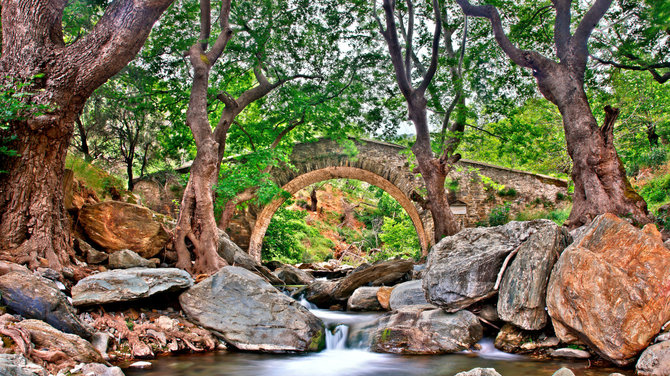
328,173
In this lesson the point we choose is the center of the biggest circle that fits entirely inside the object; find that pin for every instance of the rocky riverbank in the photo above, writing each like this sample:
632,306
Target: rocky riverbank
599,293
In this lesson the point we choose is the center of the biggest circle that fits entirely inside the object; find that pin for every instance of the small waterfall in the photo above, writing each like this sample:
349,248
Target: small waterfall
305,303
337,338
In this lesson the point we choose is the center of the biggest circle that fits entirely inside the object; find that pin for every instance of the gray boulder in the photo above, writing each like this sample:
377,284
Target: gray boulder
523,290
252,315
462,269
364,299
380,274
93,256
37,298
655,360
235,256
407,294
123,285
126,259
570,353
291,275
413,330
320,293
479,372
18,365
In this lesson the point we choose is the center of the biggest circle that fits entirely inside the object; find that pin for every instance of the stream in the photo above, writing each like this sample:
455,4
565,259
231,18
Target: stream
345,356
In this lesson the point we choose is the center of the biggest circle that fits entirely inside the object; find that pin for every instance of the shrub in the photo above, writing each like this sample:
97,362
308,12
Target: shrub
499,215
508,192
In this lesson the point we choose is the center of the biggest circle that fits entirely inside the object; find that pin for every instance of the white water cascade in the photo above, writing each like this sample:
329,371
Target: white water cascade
337,338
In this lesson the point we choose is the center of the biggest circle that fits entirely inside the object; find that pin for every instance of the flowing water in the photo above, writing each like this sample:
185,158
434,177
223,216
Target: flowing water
345,355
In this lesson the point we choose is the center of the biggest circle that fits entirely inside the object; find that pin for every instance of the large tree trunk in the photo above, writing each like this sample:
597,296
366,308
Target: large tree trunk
33,223
601,185
196,217
34,228
434,173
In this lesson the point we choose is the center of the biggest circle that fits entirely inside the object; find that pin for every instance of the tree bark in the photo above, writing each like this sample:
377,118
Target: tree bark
33,223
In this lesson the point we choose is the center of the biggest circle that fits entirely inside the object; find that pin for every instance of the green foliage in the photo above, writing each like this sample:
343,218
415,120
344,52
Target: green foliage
499,215
657,191
287,236
94,177
399,239
508,192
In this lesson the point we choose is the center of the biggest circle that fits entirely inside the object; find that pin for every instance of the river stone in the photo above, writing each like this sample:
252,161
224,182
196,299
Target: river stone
570,353
18,365
123,285
611,290
479,372
97,369
126,259
45,336
564,372
364,299
407,294
521,299
379,274
462,269
234,255
115,225
291,275
252,315
667,244
384,296
655,360
320,293
416,330
37,298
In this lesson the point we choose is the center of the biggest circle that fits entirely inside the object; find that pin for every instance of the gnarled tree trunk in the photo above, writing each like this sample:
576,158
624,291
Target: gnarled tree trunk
601,185
33,222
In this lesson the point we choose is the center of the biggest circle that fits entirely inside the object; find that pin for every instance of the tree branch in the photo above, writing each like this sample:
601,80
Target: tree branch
562,27
391,37
205,23
408,40
435,50
651,68
526,59
588,23
114,41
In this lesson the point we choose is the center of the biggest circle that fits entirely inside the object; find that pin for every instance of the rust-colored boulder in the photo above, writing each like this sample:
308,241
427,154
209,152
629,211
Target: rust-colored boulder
384,296
611,289
115,225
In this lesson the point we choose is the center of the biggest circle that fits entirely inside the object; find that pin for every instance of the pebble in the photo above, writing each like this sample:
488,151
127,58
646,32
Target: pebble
570,353
141,365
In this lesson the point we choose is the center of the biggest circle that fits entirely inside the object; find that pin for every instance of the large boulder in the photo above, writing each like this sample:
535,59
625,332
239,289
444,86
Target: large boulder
415,330
115,225
45,336
37,298
379,274
252,315
364,299
521,299
126,259
320,293
408,294
291,275
462,269
18,365
610,289
655,360
235,256
123,285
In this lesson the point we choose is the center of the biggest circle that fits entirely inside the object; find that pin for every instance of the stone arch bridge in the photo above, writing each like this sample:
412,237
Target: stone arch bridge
389,167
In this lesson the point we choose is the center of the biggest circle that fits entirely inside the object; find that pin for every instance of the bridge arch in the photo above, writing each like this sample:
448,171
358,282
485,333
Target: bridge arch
336,172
